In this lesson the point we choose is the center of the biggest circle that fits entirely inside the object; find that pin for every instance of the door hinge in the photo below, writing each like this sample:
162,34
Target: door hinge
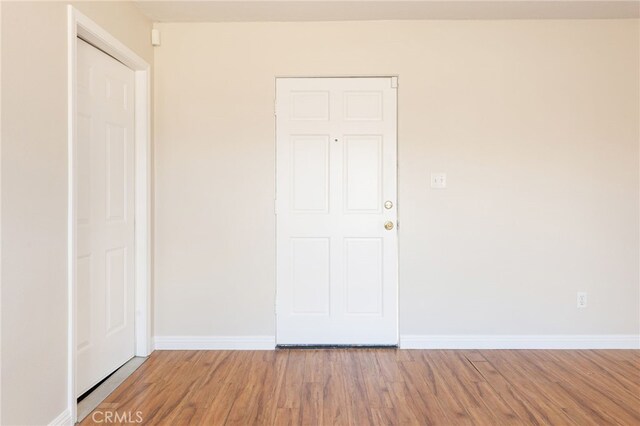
275,107
398,224
275,206
394,82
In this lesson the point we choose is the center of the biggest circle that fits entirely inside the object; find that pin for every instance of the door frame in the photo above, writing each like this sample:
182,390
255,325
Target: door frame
395,78
80,26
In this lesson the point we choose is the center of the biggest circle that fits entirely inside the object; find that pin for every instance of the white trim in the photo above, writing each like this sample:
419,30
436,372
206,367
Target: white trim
192,343
79,25
498,341
143,213
607,341
0,227
63,419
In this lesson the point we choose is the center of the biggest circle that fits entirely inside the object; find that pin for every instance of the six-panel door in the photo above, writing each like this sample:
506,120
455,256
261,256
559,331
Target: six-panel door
336,168
104,216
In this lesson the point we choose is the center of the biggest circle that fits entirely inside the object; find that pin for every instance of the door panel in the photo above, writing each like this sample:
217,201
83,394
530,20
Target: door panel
363,173
310,175
310,105
116,289
363,105
104,216
310,275
363,275
336,167
116,172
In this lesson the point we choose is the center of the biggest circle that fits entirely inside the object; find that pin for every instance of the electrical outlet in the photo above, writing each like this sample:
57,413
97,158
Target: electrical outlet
438,180
582,299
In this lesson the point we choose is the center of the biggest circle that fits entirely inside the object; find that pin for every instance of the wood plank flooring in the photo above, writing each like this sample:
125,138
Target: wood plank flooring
379,387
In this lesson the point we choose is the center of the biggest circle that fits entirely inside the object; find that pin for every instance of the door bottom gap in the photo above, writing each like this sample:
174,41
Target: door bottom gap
312,346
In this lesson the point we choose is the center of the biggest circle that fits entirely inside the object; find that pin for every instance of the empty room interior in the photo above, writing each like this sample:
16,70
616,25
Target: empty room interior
320,212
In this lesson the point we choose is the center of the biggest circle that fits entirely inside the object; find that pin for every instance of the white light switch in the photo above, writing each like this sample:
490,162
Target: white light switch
438,180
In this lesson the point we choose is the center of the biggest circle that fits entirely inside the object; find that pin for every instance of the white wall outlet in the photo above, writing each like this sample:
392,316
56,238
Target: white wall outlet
582,299
438,180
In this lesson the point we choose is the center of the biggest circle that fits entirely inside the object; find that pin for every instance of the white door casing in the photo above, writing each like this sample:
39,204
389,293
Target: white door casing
105,267
337,264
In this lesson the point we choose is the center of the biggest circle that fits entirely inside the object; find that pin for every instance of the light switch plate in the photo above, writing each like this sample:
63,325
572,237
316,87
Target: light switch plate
438,180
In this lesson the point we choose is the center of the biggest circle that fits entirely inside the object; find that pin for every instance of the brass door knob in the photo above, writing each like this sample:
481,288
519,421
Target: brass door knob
388,225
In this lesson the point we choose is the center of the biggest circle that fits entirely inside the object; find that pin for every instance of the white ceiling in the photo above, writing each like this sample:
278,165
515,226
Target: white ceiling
361,10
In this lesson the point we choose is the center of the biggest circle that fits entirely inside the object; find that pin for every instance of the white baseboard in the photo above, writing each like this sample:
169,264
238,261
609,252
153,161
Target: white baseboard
552,341
64,419
214,343
435,341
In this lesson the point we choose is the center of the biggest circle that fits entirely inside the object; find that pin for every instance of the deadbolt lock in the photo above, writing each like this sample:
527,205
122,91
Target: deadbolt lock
388,225
388,205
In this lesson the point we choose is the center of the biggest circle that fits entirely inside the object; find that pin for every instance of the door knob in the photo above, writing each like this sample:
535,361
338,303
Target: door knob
388,225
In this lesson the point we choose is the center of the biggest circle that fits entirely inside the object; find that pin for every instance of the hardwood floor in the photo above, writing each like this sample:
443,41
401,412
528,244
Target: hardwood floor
379,386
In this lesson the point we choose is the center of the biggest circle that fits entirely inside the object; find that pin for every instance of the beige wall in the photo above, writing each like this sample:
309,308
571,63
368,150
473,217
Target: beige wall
535,123
34,198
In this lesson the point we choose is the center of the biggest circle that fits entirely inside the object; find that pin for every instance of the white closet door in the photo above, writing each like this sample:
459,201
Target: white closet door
104,216
337,263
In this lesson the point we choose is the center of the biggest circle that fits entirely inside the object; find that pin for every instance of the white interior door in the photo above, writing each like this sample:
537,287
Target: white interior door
337,264
104,216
